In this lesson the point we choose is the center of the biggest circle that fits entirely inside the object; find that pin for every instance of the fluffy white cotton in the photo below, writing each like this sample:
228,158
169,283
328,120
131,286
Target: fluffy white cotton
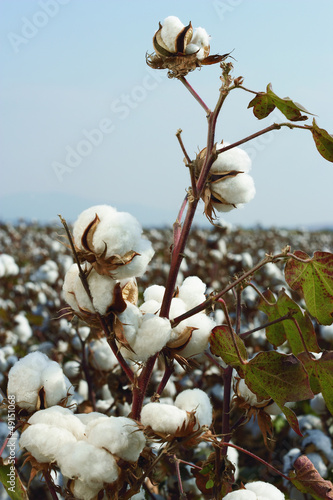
235,190
192,291
137,267
22,328
154,292
150,306
86,418
86,491
72,368
196,399
44,441
120,435
265,491
131,319
48,273
199,44
321,441
318,404
171,28
101,355
233,159
85,461
152,335
33,372
258,490
163,417
198,343
59,417
8,266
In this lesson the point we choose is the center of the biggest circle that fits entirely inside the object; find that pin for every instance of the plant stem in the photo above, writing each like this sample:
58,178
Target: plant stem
169,369
195,95
232,333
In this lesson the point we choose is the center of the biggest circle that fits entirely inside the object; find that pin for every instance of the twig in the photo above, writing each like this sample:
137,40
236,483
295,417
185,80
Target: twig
195,95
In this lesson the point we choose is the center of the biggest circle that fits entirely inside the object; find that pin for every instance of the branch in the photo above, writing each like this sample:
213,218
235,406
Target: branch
195,95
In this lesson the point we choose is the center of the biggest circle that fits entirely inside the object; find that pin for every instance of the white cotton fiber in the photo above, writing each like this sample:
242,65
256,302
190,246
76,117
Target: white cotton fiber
199,44
131,319
196,399
85,461
154,292
86,491
150,306
235,190
163,417
172,26
265,491
233,159
137,267
101,355
73,291
320,440
192,291
59,417
33,372
44,441
22,328
241,495
120,435
198,343
152,335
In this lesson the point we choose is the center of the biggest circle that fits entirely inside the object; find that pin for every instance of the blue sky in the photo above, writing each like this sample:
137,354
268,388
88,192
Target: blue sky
76,92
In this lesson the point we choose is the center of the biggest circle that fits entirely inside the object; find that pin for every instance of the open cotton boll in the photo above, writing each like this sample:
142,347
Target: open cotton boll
82,460
131,319
86,418
101,289
235,190
8,266
59,417
150,306
320,440
30,374
86,217
152,335
264,491
138,266
101,355
22,329
196,399
192,291
120,435
241,495
199,44
154,292
44,441
171,28
72,284
233,159
163,417
86,491
198,343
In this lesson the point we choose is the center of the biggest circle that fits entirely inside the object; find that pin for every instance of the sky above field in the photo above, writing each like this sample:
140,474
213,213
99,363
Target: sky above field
84,120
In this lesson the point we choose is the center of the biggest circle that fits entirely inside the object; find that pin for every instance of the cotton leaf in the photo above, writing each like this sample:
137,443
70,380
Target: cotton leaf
314,279
262,105
322,371
291,110
18,491
222,345
323,140
308,480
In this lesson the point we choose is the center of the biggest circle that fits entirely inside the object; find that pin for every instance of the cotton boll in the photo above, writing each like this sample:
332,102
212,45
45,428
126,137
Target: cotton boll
154,292
84,332
86,418
318,463
199,44
60,417
56,384
131,319
84,461
101,289
119,435
150,306
196,399
233,159
235,190
171,28
138,266
25,379
101,355
86,491
44,441
265,491
8,266
192,291
321,441
86,217
163,417
72,286
22,329
152,335
318,404
200,336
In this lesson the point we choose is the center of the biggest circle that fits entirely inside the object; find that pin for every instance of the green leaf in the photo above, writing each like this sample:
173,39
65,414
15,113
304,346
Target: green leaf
322,371
281,377
262,105
314,279
290,109
221,344
11,481
278,333
209,484
323,141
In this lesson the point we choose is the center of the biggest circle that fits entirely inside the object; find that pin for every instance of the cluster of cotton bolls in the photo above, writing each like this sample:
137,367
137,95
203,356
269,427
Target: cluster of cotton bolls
8,266
191,335
85,447
231,185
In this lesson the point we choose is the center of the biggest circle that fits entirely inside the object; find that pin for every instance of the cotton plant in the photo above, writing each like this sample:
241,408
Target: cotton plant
116,434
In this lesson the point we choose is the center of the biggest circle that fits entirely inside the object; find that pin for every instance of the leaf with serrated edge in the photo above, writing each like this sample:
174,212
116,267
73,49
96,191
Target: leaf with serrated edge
281,377
278,333
315,281
323,141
